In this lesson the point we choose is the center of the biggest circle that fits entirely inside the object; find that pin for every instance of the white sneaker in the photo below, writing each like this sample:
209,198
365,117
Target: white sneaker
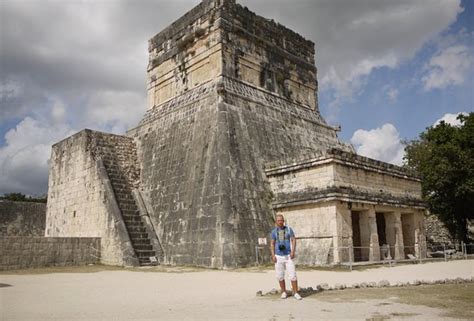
297,296
284,295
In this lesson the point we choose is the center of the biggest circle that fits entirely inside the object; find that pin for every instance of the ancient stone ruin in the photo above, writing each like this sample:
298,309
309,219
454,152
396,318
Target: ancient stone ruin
232,135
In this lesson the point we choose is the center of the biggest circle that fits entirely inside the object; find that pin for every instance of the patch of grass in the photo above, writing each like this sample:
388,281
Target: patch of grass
457,300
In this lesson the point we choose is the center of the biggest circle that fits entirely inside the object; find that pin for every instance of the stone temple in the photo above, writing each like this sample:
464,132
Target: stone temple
232,136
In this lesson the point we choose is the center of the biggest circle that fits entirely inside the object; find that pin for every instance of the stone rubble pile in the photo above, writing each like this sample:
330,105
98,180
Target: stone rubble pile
381,284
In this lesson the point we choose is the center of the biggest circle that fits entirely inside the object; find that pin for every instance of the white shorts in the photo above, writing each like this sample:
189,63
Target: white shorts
285,262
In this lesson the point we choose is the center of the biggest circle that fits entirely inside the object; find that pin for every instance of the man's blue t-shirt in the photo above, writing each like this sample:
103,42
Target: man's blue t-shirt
282,236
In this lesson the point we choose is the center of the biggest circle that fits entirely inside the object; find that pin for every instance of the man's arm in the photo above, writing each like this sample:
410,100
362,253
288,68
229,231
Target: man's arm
293,247
272,250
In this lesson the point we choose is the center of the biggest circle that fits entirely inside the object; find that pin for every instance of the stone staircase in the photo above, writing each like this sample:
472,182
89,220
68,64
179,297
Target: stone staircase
119,156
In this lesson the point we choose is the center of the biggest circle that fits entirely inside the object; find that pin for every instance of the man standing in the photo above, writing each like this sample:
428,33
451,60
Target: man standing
283,247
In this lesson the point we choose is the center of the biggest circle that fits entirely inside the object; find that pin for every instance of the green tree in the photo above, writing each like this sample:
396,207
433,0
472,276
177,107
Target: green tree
444,157
20,197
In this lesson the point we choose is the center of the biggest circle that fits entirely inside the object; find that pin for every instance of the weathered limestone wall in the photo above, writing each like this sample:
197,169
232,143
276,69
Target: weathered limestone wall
372,181
179,151
332,172
229,91
315,230
220,37
79,202
265,54
353,189
22,252
209,192
22,218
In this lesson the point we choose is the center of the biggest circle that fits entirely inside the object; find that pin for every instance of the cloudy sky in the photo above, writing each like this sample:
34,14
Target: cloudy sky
387,70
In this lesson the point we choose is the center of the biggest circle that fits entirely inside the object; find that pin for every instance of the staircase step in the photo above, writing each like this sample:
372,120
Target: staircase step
127,202
145,253
136,229
130,212
132,218
141,242
134,223
142,247
138,236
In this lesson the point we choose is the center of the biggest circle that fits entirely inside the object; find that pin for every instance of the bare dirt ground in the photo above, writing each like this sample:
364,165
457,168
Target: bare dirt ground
100,293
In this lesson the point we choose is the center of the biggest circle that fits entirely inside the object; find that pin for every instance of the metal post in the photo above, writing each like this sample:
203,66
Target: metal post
351,248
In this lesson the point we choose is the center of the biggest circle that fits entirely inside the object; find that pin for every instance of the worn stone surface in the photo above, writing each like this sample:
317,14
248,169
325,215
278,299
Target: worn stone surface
232,134
81,201
326,195
22,218
436,232
21,252
224,100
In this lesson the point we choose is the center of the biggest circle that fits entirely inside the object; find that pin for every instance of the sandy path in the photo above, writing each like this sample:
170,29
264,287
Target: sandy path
207,295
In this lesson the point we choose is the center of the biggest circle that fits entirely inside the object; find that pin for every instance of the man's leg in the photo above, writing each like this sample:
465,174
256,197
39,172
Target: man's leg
282,286
290,267
280,275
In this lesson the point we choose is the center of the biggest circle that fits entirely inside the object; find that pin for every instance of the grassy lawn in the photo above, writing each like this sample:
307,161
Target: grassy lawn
456,299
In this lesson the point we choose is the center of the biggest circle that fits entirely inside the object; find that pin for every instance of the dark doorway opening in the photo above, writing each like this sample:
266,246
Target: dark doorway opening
356,242
380,218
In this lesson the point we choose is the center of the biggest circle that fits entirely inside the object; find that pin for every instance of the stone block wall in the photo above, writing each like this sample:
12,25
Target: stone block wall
185,55
80,203
344,174
374,182
220,37
22,218
22,252
76,194
202,156
315,228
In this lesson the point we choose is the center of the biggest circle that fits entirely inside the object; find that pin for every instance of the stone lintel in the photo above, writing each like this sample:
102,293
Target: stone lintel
341,157
346,195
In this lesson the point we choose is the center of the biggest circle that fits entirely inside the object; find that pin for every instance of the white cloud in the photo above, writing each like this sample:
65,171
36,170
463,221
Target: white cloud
74,64
450,119
114,110
382,143
354,38
448,68
24,157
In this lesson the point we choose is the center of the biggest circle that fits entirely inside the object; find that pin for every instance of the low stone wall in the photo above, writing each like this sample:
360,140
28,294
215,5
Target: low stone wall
21,252
22,218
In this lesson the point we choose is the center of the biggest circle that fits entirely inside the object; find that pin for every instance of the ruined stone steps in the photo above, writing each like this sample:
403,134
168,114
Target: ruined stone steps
120,163
136,229
144,253
131,218
134,223
138,236
143,247
141,241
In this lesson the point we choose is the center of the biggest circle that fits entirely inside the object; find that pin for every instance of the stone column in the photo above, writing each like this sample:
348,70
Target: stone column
394,234
341,228
420,238
399,253
374,253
